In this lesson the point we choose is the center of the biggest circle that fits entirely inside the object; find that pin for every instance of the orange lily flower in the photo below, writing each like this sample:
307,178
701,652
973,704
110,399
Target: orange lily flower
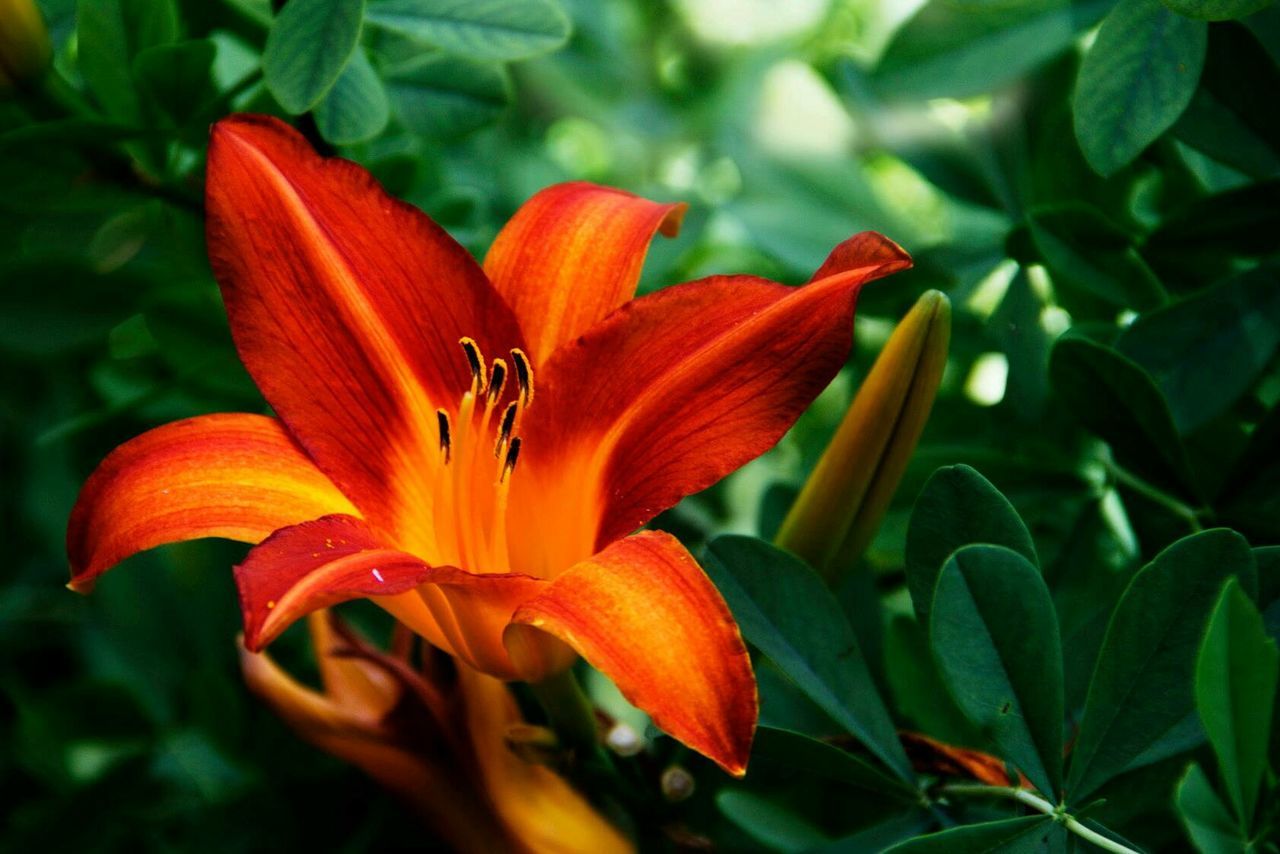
473,447
436,739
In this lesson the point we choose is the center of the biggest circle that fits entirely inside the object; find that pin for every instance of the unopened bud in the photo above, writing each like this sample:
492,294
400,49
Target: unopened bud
623,740
677,784
24,43
536,745
842,503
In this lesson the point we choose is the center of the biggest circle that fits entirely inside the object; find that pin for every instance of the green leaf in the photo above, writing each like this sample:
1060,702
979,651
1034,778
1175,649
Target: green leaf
442,97
1217,10
1230,118
917,688
1141,691
178,77
1119,401
795,750
110,33
770,823
785,611
1202,237
1235,688
957,50
495,30
1250,497
1084,251
1023,835
356,108
1135,81
880,836
310,43
1206,818
995,637
957,507
1205,351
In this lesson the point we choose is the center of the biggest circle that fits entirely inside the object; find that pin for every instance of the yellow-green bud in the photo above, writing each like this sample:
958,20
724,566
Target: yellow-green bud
24,43
844,500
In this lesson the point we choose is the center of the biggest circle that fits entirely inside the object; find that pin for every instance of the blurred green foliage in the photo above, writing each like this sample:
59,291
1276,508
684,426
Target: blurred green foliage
1100,203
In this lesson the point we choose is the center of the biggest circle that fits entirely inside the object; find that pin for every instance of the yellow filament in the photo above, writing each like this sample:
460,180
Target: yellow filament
471,496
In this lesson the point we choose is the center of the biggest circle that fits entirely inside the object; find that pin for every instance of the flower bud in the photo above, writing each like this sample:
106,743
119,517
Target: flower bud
841,505
24,43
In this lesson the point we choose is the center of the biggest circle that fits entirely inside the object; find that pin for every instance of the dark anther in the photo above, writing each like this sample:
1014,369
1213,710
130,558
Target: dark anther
442,420
513,454
505,428
474,359
497,379
523,375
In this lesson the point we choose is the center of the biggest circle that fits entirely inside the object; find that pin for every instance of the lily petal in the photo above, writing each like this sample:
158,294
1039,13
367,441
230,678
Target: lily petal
237,476
645,614
535,804
319,563
313,565
347,307
571,255
432,787
675,390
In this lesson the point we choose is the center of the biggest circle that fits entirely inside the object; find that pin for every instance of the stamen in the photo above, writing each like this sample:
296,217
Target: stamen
505,428
513,454
524,376
442,421
497,379
474,360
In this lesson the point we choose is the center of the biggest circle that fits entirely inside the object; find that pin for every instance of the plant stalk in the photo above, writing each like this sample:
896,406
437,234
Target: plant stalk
1039,804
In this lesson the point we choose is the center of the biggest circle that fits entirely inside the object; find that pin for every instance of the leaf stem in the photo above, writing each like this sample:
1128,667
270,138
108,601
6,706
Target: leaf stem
1039,804
1157,496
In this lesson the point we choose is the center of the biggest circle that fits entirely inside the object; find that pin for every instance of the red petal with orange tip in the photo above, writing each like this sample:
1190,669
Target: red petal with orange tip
572,254
319,563
645,614
310,566
675,390
346,306
236,476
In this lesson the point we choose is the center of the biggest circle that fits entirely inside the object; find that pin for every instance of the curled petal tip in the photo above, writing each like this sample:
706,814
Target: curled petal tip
670,225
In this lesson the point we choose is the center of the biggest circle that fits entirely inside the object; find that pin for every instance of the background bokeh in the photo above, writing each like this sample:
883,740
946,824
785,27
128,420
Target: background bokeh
787,127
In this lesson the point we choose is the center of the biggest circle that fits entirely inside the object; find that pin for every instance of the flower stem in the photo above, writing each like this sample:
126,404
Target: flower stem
569,711
1039,804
